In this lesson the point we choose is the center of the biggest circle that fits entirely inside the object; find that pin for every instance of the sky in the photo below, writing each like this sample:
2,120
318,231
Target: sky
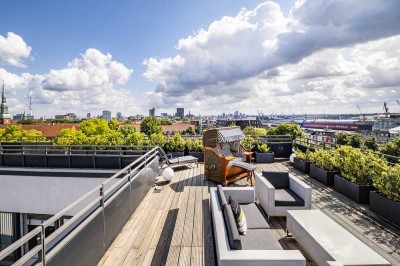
208,56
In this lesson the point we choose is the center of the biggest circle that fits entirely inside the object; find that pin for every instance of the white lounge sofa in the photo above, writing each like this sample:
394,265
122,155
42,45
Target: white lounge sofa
279,192
259,246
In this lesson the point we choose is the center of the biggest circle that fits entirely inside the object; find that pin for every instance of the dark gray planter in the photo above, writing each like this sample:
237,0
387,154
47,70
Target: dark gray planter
301,165
385,207
176,153
322,176
198,154
264,157
358,193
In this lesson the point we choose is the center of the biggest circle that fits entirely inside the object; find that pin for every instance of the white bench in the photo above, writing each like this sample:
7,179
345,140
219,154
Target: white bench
327,242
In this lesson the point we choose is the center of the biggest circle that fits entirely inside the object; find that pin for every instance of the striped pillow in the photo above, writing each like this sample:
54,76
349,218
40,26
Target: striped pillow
239,216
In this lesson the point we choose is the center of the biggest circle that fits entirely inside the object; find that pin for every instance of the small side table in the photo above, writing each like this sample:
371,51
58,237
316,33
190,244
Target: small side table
248,155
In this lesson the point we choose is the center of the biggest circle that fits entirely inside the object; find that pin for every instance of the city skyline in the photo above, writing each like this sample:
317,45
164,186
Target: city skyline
277,57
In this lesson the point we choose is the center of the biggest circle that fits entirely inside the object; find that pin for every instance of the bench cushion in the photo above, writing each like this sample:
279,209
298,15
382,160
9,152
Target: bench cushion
254,218
278,179
231,228
286,197
260,239
221,196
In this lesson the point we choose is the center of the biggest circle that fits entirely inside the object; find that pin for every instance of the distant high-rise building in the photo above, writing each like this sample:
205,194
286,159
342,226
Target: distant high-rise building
107,115
88,115
164,114
180,112
5,117
119,115
152,111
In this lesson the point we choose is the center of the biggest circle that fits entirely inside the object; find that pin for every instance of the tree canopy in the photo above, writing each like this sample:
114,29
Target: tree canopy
150,125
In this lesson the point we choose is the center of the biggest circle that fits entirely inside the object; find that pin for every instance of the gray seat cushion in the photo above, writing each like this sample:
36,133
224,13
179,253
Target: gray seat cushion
260,239
278,179
231,228
254,218
286,197
221,196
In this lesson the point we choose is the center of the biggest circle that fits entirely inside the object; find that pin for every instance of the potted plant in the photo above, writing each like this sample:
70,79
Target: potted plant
264,155
323,167
195,148
356,172
386,201
301,161
175,145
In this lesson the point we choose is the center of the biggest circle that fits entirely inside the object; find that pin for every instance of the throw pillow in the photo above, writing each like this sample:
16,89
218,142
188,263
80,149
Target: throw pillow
239,216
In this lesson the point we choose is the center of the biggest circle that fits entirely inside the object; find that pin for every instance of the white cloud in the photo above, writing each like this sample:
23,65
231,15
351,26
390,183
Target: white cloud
324,54
13,50
89,83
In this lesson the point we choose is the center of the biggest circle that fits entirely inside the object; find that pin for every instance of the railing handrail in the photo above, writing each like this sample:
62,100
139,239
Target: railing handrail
132,167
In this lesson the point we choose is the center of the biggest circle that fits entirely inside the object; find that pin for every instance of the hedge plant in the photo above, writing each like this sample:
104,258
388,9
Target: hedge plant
194,145
263,148
359,167
388,182
325,159
305,156
175,143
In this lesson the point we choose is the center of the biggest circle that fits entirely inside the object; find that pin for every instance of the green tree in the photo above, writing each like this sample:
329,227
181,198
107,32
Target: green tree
113,124
342,138
254,132
355,140
127,129
391,147
165,122
92,127
136,139
150,125
371,144
286,129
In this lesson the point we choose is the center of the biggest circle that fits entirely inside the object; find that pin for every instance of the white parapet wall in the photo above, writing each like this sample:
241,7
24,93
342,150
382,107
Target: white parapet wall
45,194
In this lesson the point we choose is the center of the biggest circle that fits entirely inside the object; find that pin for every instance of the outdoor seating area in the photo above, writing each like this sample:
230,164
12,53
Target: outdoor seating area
188,222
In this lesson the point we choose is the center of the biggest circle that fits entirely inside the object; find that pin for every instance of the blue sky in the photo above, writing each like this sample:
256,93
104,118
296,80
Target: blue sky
261,57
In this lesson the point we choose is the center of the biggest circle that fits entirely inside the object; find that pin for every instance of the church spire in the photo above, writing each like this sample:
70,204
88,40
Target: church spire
5,117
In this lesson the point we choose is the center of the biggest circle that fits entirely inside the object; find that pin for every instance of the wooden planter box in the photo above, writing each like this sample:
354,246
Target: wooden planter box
301,165
385,207
358,193
198,154
264,157
322,176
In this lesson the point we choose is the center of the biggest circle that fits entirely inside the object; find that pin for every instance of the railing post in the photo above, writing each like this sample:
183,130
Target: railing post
104,215
130,188
43,237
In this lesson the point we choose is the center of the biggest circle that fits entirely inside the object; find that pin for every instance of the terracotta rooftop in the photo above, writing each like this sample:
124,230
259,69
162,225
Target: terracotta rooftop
48,130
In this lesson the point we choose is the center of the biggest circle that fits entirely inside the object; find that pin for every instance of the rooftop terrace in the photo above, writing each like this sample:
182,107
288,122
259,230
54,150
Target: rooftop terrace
172,225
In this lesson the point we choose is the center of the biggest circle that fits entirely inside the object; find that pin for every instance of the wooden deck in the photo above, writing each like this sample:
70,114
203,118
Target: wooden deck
173,224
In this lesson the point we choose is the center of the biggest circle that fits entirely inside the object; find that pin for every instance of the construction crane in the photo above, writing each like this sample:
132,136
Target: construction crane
361,114
385,108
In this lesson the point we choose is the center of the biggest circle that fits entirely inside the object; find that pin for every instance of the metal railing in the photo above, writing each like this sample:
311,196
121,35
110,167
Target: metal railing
276,139
99,197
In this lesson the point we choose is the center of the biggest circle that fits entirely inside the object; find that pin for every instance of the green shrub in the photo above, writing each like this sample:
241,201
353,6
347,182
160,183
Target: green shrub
157,139
324,159
175,143
248,142
359,167
263,147
388,182
305,156
194,145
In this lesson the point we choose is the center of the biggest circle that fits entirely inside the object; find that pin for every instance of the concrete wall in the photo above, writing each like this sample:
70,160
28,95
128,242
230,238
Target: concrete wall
43,194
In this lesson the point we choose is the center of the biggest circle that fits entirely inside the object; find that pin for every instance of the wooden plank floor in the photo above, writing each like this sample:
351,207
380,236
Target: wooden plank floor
173,224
